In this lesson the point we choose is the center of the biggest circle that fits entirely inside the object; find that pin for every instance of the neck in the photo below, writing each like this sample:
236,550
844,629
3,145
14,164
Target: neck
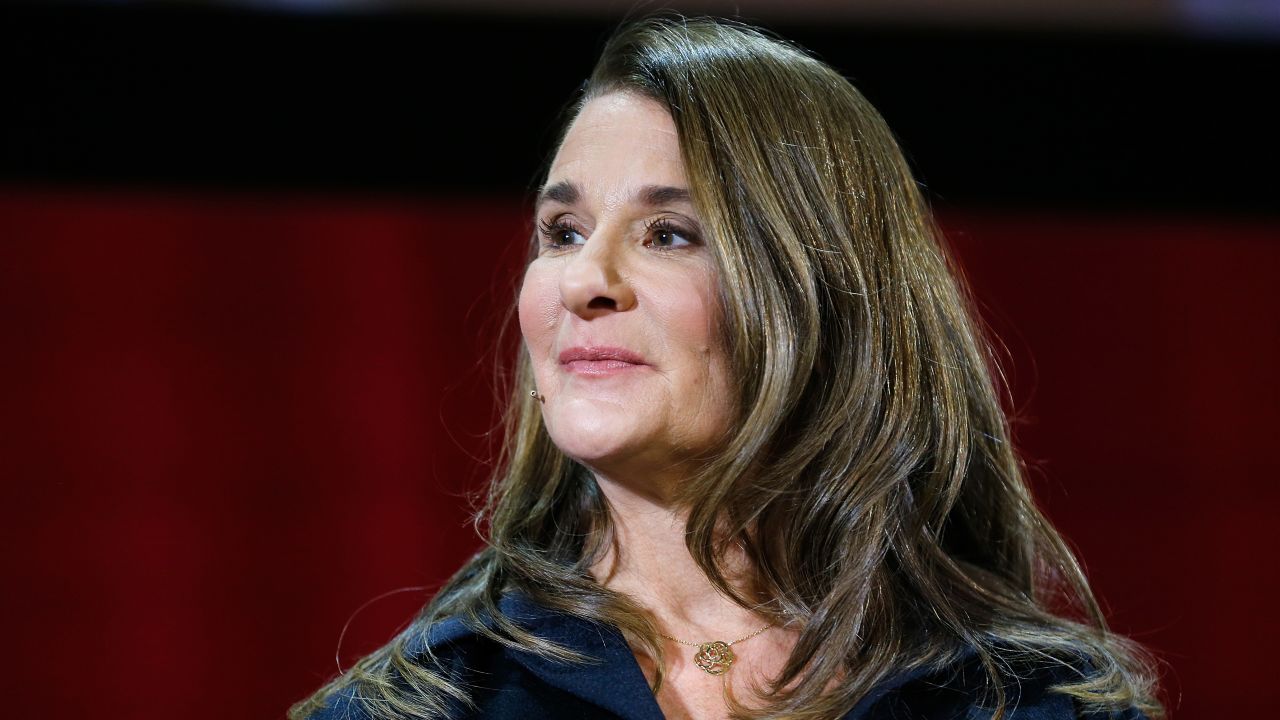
651,564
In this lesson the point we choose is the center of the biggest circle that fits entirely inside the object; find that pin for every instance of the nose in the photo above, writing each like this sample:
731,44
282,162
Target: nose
594,282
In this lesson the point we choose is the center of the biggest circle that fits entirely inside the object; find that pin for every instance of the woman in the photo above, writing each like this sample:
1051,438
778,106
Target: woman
756,464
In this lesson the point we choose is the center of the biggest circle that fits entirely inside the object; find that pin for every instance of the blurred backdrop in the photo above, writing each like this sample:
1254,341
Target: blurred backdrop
256,259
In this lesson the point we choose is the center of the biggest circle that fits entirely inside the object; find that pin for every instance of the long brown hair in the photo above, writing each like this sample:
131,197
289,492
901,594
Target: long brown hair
869,476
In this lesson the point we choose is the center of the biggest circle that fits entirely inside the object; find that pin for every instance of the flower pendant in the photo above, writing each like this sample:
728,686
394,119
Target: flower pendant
715,658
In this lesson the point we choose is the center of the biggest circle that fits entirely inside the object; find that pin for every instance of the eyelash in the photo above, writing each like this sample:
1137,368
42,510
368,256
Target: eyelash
551,232
665,225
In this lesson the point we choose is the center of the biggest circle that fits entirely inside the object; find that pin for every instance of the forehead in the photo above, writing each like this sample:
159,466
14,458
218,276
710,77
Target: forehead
618,143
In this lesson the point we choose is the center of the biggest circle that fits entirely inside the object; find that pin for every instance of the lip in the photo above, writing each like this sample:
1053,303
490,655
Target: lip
600,360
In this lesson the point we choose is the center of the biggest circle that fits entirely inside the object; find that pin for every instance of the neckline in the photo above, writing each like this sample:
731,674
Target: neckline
622,688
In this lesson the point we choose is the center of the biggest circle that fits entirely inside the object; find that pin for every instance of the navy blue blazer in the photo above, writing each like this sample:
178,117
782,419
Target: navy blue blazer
506,683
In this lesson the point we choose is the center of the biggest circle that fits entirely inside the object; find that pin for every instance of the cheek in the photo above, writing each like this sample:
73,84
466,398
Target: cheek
691,314
539,307
691,310
705,391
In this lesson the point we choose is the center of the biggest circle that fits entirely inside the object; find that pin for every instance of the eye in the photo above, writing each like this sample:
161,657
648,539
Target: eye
664,234
560,233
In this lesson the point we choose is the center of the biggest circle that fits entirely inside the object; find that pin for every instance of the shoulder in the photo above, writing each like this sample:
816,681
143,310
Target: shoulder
462,672
963,690
424,656
340,704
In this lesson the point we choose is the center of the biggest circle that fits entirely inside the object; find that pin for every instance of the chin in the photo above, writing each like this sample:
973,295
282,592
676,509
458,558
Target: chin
593,432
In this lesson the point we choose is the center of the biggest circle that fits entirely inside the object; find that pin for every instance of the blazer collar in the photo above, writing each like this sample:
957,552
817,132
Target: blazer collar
613,681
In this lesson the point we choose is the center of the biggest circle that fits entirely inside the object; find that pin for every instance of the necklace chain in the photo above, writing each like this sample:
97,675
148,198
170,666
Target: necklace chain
735,642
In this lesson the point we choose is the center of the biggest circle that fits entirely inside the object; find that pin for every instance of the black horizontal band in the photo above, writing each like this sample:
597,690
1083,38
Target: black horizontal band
456,103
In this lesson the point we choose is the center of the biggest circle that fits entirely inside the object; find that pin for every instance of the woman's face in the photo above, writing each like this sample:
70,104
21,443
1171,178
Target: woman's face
619,310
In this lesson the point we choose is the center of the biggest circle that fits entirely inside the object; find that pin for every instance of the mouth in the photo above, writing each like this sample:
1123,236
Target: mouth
600,361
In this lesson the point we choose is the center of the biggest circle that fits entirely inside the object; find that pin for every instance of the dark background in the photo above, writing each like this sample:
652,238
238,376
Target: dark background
253,265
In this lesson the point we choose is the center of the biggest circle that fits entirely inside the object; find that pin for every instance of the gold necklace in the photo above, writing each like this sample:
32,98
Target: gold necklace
715,657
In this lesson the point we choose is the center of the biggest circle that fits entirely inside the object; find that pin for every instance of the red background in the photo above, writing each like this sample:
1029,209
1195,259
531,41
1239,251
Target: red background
229,420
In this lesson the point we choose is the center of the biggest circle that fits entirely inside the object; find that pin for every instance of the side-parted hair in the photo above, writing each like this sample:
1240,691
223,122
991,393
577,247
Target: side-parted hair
869,475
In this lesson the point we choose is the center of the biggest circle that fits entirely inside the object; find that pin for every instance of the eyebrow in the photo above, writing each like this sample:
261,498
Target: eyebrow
655,195
567,193
563,192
